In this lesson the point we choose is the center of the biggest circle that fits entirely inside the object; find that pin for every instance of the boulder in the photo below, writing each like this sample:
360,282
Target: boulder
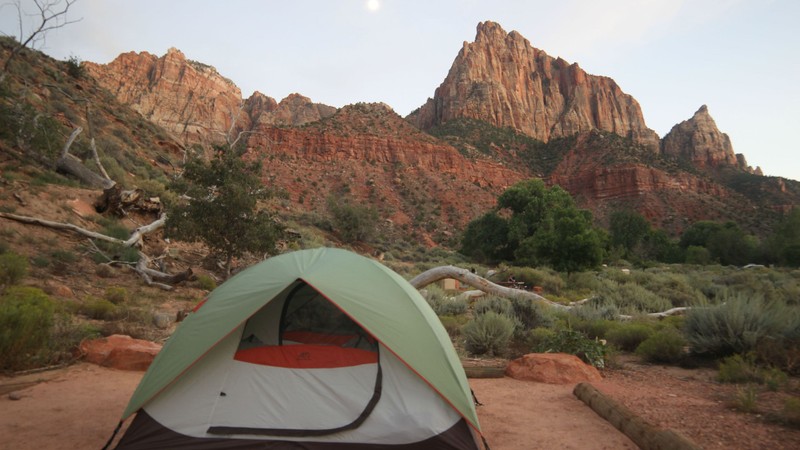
552,368
120,352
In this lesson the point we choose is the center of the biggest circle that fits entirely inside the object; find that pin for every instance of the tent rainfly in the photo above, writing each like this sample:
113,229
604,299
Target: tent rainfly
315,349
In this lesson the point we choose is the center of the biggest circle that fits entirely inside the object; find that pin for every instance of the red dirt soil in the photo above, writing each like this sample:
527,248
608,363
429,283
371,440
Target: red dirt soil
79,406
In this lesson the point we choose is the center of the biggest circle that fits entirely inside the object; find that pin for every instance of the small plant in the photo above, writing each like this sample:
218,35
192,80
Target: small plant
116,295
746,399
98,308
488,333
791,411
530,314
13,268
74,67
774,378
537,336
453,324
494,304
591,351
665,346
26,317
739,369
628,336
206,282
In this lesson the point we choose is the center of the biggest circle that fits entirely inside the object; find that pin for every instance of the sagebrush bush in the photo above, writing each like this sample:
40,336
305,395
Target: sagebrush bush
575,343
26,317
530,314
443,305
737,325
13,268
495,304
632,298
664,346
628,336
488,333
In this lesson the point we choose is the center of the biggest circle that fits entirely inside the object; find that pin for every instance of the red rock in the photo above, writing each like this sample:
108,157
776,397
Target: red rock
552,368
501,79
192,99
700,141
120,352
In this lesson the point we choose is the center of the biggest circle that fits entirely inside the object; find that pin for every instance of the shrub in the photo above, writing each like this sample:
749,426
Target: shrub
116,295
575,343
632,298
98,308
491,303
736,326
488,333
628,336
530,314
353,222
26,317
13,268
206,282
665,346
739,369
537,336
548,279
453,324
791,411
595,328
746,399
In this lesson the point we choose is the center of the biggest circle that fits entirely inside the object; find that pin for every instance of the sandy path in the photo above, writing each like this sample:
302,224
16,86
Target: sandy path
79,407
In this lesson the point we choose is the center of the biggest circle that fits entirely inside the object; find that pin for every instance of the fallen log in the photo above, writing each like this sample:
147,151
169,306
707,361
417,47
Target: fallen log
482,284
643,434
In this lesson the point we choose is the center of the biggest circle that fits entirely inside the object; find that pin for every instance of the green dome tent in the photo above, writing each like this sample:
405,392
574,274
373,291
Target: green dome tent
317,348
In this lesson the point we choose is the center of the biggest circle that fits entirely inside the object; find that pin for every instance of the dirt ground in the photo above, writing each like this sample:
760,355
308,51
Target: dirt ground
78,408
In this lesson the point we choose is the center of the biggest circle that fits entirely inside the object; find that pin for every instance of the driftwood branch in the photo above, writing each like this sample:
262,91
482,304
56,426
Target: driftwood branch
150,276
480,283
485,286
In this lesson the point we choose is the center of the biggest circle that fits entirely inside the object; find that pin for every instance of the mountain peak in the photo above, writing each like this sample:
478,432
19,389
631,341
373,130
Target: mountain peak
699,140
504,81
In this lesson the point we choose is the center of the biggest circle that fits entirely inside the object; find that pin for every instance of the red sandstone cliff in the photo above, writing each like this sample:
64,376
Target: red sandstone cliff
501,79
368,152
699,140
193,100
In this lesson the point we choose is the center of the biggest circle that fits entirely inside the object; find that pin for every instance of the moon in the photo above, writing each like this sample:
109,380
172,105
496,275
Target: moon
373,5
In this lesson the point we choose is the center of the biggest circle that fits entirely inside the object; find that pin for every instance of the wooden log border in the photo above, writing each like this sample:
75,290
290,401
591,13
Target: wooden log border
643,434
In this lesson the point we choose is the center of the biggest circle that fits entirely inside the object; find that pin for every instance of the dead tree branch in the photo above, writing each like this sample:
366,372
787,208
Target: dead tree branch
465,276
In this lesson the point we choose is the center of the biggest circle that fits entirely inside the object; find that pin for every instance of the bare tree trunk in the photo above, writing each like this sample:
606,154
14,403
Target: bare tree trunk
482,284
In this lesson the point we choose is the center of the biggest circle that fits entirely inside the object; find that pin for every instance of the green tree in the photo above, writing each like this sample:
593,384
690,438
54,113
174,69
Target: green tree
223,209
699,233
544,228
784,243
486,239
628,230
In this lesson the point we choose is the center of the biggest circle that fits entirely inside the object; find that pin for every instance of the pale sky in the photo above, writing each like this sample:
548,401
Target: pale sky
739,57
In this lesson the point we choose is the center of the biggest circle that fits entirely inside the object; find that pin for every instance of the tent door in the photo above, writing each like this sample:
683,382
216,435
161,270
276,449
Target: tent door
322,377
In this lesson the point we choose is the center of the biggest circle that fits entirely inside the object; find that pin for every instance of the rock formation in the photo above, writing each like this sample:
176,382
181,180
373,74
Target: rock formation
700,141
501,79
193,100
370,154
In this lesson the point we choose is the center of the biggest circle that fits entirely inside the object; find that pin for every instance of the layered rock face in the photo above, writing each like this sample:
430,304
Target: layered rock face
187,98
700,141
370,154
501,79
193,100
